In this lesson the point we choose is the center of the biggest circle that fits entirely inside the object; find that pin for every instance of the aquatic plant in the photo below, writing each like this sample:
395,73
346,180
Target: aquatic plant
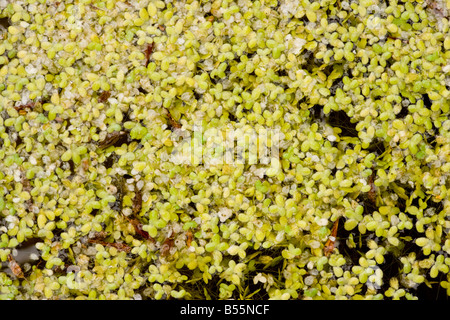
205,150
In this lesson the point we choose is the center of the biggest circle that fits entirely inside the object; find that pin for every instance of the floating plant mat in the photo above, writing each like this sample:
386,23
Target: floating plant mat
224,149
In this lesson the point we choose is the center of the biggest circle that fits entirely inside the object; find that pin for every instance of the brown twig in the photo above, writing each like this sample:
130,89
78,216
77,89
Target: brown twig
119,246
139,230
148,52
329,245
189,237
104,96
15,268
137,202
112,138
172,122
372,192
167,245
99,238
22,107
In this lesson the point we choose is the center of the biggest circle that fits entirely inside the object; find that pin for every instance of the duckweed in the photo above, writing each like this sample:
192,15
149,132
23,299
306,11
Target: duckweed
204,150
